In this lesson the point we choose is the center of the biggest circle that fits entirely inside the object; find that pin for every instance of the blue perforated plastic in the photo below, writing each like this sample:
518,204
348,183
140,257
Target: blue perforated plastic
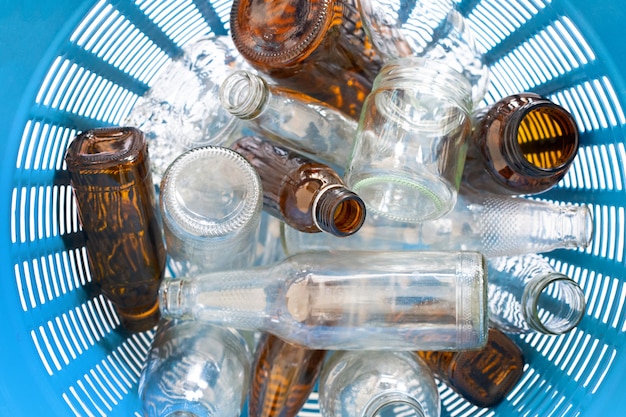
68,65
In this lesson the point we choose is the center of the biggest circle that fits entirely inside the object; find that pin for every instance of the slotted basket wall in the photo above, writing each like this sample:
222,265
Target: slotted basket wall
67,65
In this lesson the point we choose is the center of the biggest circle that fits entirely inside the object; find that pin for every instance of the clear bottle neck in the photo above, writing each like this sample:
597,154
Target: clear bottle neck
244,94
389,402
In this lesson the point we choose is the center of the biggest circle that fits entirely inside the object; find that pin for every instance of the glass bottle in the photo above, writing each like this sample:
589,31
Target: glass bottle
109,171
283,376
346,300
290,118
181,110
195,369
410,146
483,377
523,144
316,47
526,294
305,194
431,29
491,224
211,202
371,383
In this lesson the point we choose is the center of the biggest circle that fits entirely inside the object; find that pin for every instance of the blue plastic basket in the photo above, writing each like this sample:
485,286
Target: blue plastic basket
68,65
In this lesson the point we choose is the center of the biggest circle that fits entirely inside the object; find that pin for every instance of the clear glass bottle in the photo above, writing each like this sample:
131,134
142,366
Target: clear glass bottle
316,47
483,377
431,29
526,294
181,110
305,194
211,202
370,384
490,224
195,369
283,376
410,146
109,171
346,300
290,118
523,144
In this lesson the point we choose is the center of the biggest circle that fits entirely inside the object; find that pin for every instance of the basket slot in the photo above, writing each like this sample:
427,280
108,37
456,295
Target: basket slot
216,20
222,9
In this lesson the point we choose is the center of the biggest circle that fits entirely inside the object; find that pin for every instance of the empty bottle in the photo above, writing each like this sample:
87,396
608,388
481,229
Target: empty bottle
483,377
293,119
315,47
305,194
110,175
195,369
283,376
491,224
211,203
346,300
523,144
526,294
370,384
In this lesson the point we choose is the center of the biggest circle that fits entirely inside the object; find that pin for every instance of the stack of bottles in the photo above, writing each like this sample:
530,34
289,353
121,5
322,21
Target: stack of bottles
320,198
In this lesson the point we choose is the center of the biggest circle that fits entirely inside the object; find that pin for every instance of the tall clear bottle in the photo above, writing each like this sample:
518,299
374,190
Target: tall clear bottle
523,144
346,300
491,224
526,294
370,384
110,176
307,195
293,119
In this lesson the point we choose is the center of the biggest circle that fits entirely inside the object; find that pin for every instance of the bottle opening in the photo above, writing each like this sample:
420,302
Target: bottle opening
243,94
349,216
338,211
548,137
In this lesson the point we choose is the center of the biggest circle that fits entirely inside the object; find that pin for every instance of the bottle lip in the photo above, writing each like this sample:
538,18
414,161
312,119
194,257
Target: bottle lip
176,212
244,94
328,201
132,142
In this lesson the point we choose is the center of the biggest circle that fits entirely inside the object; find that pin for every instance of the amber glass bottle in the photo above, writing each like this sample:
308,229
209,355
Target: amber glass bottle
523,144
110,175
283,376
483,377
307,195
316,47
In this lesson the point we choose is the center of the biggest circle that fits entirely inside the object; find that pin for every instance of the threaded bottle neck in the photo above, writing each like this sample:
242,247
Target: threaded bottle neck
338,211
384,403
244,94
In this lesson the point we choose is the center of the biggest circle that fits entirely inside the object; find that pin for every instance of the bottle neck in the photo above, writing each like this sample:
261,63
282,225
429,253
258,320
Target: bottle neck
338,211
384,404
244,94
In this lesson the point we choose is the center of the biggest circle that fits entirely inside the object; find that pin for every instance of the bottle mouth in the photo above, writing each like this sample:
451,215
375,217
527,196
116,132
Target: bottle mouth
391,404
338,211
243,94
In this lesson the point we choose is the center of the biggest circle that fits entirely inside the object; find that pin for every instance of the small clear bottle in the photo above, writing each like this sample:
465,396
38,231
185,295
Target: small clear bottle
526,294
305,194
483,377
211,202
110,176
370,384
316,47
195,369
410,146
290,118
346,300
523,144
491,224
283,376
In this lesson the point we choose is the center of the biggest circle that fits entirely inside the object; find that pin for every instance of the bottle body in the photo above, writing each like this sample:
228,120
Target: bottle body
307,195
368,383
195,369
346,300
483,377
317,48
409,151
110,175
527,295
283,376
211,203
293,119
490,224
523,144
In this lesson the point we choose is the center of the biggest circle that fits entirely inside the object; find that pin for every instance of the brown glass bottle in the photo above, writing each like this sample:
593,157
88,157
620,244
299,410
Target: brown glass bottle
283,376
110,176
483,377
307,195
523,144
316,47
